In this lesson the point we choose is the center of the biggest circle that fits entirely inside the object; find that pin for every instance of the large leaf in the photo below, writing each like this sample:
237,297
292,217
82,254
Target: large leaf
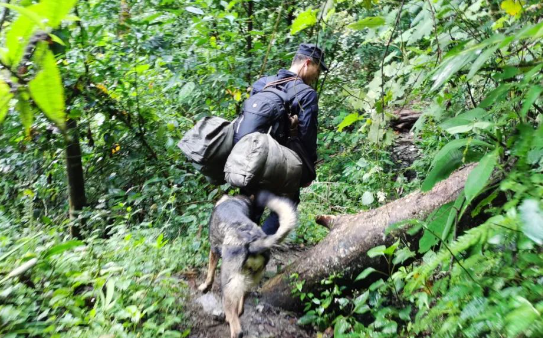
436,224
364,273
369,22
5,97
480,175
450,67
495,95
481,60
56,10
304,20
60,248
17,38
466,121
47,91
448,163
532,220
23,106
531,97
456,144
347,121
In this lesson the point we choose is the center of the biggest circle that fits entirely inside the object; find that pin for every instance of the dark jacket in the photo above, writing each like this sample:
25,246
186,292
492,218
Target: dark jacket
305,106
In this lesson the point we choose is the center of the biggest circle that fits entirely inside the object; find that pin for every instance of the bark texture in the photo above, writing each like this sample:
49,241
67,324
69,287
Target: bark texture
351,236
74,169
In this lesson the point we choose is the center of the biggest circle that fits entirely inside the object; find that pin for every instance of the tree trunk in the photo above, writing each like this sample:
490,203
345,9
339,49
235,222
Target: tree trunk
76,181
249,39
351,236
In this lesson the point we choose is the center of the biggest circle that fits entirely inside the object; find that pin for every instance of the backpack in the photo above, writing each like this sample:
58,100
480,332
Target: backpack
268,111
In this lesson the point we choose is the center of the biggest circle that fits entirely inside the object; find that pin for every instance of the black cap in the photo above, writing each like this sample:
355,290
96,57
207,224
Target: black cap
313,51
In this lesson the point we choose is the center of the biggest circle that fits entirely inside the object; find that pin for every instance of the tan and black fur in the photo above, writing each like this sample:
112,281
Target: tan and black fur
243,247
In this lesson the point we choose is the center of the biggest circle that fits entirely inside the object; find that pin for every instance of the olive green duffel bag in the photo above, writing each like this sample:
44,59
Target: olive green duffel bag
258,162
207,145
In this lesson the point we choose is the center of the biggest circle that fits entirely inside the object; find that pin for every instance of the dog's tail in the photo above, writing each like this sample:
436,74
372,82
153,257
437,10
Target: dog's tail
288,217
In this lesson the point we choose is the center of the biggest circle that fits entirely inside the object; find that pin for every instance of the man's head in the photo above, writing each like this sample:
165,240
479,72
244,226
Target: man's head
308,63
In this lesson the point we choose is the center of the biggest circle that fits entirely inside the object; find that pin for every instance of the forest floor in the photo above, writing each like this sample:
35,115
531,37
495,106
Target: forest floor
259,319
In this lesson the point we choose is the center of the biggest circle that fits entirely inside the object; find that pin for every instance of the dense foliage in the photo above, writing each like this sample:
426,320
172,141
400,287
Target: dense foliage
110,86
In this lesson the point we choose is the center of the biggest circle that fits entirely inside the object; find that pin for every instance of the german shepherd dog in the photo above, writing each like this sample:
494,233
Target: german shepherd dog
244,248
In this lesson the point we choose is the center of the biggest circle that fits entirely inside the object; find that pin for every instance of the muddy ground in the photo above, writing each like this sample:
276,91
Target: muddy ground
259,320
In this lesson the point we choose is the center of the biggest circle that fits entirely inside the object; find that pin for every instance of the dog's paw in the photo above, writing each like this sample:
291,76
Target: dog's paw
204,288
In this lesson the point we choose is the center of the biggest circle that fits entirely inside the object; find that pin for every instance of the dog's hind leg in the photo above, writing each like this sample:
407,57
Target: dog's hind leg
240,305
213,261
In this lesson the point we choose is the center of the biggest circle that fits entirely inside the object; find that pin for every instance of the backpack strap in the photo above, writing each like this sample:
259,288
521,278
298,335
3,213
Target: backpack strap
282,95
295,91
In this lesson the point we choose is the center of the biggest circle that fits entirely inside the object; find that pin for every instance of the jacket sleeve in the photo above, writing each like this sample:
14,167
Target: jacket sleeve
308,123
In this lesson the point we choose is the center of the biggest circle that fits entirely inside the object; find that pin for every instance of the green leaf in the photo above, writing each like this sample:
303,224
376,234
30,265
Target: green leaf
347,121
304,20
377,285
448,163
60,248
194,10
436,223
308,318
341,326
450,67
369,22
531,97
456,144
532,220
521,319
5,97
402,255
495,95
47,91
367,198
364,273
23,106
56,10
17,38
480,175
186,91
390,250
377,251
481,60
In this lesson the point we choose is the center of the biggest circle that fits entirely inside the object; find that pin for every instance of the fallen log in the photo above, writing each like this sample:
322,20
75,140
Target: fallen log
351,236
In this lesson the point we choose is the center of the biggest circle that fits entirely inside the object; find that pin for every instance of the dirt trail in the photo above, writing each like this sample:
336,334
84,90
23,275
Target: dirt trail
259,320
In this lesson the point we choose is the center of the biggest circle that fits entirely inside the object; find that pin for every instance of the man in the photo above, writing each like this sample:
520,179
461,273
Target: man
306,67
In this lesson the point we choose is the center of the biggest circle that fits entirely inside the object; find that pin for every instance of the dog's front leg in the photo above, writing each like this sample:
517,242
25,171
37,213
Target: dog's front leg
232,317
213,261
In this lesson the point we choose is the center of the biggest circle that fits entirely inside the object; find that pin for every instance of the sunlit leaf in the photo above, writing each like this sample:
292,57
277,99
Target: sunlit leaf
47,91
186,91
533,94
480,175
512,7
347,121
377,251
532,220
367,198
369,22
304,20
5,97
450,67
194,10
56,10
436,224
364,273
60,248
448,163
